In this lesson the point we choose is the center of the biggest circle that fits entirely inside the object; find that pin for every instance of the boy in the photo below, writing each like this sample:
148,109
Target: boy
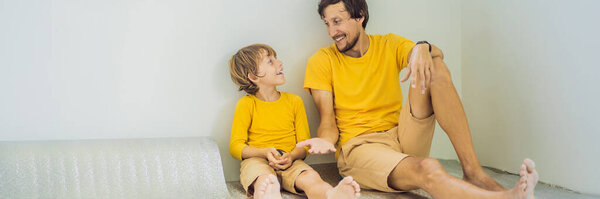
267,124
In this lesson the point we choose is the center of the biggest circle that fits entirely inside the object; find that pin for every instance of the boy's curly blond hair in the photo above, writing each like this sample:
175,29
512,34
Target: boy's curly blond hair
245,62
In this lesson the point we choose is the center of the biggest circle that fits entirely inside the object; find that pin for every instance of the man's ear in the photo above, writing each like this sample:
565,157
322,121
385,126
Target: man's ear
252,78
361,19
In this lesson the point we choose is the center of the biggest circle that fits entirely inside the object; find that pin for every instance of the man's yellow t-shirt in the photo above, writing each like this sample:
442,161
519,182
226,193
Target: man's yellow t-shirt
366,90
280,124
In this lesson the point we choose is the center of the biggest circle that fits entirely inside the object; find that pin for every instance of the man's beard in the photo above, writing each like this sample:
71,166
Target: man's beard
349,46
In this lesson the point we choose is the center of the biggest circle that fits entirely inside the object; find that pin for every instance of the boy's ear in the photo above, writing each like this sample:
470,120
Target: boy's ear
252,77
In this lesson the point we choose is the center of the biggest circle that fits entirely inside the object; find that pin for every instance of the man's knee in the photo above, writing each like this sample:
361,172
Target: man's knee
440,75
416,173
430,170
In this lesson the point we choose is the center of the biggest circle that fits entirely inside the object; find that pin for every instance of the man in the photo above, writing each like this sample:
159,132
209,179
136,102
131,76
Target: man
383,145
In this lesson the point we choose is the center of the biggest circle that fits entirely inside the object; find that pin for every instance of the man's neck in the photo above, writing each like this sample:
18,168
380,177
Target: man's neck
361,47
268,94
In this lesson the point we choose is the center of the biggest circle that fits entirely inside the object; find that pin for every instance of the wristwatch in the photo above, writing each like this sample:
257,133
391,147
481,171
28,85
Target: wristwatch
424,42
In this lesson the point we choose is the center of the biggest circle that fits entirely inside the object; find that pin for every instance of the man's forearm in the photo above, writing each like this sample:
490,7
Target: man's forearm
329,133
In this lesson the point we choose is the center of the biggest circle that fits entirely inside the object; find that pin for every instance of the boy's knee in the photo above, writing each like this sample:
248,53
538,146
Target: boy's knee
310,174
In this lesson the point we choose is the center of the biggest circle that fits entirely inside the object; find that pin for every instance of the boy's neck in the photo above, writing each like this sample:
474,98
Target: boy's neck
267,94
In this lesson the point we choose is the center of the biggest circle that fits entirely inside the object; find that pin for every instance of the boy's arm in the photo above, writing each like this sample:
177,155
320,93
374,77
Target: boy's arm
327,132
270,153
298,153
239,129
287,159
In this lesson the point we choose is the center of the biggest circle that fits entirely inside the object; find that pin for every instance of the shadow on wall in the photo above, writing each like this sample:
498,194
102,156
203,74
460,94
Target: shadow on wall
221,134
222,128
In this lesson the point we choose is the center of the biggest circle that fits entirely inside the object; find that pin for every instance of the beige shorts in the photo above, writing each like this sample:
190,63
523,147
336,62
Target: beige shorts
370,158
252,168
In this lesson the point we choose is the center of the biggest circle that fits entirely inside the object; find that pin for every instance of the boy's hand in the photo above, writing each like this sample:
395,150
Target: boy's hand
272,155
317,146
284,162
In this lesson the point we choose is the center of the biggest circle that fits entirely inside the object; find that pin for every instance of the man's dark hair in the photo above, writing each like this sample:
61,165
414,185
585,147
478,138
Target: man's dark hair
356,8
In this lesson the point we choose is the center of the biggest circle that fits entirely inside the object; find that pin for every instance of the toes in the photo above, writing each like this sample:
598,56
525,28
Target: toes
356,188
347,180
530,165
272,178
262,185
259,190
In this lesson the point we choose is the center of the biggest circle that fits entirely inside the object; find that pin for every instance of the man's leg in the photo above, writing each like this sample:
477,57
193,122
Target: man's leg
429,175
441,98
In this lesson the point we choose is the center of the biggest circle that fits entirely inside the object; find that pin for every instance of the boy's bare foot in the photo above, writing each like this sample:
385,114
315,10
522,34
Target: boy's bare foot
267,189
529,178
347,188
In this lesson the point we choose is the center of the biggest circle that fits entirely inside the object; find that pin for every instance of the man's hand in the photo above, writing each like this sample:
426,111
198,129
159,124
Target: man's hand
419,67
285,162
317,146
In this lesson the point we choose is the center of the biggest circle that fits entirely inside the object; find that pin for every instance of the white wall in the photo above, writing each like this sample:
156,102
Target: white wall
530,74
95,69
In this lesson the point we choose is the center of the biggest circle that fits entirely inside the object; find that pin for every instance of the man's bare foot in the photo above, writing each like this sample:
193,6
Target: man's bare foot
267,189
528,168
347,188
484,181
529,177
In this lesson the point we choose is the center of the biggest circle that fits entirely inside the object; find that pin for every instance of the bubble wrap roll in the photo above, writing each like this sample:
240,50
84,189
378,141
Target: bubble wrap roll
122,168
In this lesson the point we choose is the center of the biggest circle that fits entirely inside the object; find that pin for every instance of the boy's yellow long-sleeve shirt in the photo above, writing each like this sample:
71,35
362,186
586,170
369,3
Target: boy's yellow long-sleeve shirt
280,124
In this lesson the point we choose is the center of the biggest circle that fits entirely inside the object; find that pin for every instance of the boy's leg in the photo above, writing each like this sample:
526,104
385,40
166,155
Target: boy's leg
301,178
311,183
267,187
256,171
428,174
441,98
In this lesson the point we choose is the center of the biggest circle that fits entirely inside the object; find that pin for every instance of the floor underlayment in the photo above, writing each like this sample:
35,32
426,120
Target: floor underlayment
329,174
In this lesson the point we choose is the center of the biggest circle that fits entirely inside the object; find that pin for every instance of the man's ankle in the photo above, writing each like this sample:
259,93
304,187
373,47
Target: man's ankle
472,171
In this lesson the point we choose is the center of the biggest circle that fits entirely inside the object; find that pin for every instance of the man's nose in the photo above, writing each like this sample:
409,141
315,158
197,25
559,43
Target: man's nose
331,31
